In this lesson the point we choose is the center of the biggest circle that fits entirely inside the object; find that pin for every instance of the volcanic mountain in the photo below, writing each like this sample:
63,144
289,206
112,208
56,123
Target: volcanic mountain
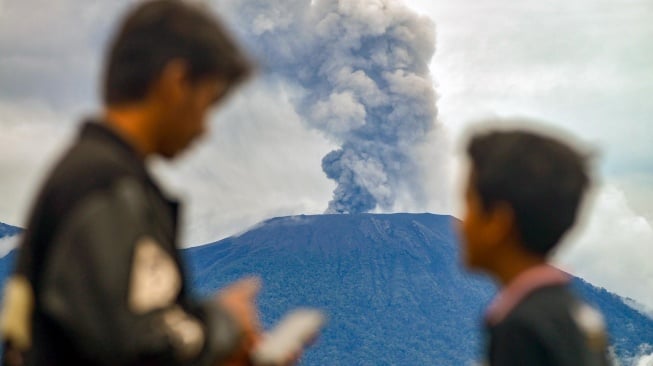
391,285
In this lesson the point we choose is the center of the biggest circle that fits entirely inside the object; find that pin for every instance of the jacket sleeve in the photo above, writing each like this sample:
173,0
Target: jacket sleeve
115,291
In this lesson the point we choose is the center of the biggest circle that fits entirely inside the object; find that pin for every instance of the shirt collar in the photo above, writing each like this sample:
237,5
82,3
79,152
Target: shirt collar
526,282
97,129
100,130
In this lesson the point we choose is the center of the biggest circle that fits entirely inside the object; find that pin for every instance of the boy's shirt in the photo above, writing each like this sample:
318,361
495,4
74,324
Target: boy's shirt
537,320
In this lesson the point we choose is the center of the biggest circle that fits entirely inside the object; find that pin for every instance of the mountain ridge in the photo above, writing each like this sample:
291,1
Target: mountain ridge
391,283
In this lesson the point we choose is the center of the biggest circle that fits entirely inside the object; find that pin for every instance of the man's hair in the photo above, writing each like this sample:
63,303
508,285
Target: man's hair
157,32
542,179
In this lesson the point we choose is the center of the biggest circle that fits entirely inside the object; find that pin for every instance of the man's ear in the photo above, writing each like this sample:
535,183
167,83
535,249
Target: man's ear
501,222
173,82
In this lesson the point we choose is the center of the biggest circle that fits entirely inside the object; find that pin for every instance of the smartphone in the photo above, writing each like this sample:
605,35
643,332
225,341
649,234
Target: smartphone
292,334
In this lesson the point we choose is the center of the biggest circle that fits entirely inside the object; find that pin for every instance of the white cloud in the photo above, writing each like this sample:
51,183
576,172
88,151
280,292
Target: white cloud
410,84
613,247
644,358
8,243
33,135
340,114
638,189
259,161
361,84
581,64
51,50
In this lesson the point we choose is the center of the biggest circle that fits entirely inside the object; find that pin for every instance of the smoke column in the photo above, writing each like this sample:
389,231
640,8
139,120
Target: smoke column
362,68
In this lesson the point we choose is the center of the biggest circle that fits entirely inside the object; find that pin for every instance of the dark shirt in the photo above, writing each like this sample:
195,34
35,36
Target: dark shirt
549,326
100,253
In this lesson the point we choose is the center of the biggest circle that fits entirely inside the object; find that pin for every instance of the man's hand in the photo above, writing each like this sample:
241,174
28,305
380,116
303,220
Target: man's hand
239,299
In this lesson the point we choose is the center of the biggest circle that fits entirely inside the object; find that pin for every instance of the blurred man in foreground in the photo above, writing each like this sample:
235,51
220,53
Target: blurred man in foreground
99,280
522,195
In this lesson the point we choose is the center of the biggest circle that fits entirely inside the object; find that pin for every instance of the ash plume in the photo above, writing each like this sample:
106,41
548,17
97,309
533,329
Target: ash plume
362,70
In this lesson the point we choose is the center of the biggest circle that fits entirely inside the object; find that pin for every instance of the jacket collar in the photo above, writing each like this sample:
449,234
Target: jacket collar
99,130
528,281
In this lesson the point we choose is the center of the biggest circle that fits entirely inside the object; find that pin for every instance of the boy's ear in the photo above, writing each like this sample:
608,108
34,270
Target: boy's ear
501,222
172,83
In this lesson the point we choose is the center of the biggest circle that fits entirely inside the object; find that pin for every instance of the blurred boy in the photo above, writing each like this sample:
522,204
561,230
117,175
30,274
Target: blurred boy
522,196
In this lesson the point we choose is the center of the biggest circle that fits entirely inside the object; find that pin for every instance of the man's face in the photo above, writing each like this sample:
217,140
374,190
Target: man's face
184,118
479,229
471,238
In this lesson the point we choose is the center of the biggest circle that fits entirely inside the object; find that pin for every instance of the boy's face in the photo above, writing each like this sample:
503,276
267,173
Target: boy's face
189,120
184,107
482,231
470,227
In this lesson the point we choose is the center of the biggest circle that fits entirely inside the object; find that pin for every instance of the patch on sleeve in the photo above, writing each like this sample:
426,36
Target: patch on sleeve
17,310
592,325
185,332
155,279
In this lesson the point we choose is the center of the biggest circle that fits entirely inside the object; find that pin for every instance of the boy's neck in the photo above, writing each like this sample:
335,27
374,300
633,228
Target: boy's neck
135,123
514,262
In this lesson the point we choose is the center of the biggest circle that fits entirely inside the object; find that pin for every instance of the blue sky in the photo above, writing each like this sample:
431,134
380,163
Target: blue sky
583,66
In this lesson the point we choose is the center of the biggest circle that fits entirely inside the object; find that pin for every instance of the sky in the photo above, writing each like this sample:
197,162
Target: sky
582,66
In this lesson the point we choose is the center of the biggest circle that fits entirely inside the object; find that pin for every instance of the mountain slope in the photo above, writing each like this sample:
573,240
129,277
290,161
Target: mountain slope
7,261
9,230
391,285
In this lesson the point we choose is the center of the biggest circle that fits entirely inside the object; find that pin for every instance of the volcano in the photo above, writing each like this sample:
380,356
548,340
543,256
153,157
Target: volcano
392,286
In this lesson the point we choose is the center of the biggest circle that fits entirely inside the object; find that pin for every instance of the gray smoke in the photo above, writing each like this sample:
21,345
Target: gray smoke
362,70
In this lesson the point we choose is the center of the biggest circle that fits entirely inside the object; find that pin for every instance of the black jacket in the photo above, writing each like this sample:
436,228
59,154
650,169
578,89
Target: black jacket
100,254
549,327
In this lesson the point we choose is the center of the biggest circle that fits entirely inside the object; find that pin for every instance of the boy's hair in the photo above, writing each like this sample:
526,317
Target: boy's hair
542,179
157,32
